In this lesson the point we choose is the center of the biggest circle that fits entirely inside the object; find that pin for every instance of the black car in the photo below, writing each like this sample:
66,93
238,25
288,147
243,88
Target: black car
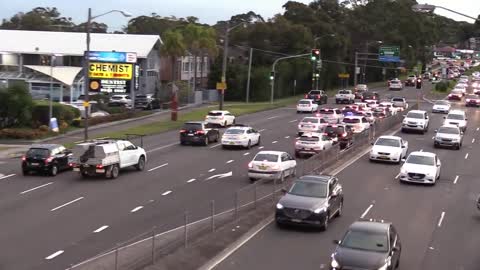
147,102
340,133
368,244
318,96
46,158
198,133
312,200
370,96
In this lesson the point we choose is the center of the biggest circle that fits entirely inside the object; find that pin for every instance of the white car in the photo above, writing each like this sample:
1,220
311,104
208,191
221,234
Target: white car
400,103
222,118
460,88
449,136
357,123
307,105
421,167
395,85
370,117
389,148
389,105
312,143
363,106
275,165
331,115
371,103
457,118
243,136
441,106
120,100
416,120
311,124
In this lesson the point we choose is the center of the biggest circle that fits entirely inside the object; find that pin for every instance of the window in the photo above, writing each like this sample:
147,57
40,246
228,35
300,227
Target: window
38,152
309,189
284,157
266,157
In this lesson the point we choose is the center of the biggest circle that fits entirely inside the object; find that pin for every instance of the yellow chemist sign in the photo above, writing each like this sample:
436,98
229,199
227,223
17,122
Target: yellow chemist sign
110,71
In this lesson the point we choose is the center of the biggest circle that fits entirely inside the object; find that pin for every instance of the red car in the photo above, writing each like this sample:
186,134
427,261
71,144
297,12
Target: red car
455,95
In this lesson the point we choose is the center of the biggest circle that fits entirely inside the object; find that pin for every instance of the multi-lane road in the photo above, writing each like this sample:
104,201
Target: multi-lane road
54,222
438,225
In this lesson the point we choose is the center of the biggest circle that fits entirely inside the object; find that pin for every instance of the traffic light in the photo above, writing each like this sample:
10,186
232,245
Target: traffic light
419,84
315,55
272,76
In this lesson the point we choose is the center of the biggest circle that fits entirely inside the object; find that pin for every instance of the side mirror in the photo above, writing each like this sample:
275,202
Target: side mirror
444,117
395,249
336,242
403,159
372,143
436,130
438,164
404,146
466,119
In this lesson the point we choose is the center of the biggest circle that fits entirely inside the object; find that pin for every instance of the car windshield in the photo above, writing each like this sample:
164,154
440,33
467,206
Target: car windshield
304,102
453,116
214,114
457,92
362,240
322,111
441,102
141,96
266,157
420,160
351,120
398,99
192,126
38,152
314,92
309,189
449,130
234,131
388,142
311,120
415,115
344,92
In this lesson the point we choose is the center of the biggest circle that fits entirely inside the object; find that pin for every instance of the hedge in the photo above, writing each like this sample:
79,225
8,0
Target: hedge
20,133
103,119
63,113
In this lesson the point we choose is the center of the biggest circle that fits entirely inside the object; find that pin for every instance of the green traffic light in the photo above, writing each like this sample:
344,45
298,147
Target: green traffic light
314,58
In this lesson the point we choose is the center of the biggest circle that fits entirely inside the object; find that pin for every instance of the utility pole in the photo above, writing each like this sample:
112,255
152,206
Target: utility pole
355,78
87,79
249,74
224,65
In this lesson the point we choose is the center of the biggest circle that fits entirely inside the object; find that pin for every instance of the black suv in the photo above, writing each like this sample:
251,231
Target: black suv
46,158
198,133
312,200
341,133
370,96
368,244
147,102
318,96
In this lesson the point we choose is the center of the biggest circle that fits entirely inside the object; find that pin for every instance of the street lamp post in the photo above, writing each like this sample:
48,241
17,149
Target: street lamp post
224,62
87,61
50,105
426,8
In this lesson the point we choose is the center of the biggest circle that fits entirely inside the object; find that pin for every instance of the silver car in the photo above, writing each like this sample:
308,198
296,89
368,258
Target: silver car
448,136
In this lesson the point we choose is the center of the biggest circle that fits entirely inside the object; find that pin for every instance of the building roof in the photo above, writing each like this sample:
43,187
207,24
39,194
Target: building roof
74,43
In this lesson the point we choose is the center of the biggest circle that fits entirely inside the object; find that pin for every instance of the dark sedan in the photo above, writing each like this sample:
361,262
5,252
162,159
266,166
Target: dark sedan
318,96
198,133
368,244
312,200
46,158
370,96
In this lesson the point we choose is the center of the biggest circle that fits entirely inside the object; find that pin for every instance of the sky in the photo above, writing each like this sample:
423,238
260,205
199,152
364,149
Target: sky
208,11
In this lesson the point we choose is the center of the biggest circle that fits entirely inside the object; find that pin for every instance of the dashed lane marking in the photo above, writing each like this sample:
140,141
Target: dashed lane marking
286,137
54,255
261,130
246,154
261,147
216,145
162,147
65,204
456,179
466,156
35,188
7,176
191,180
136,209
158,167
230,161
166,193
366,211
273,117
398,175
101,229
441,219
293,121
275,142
212,170
473,140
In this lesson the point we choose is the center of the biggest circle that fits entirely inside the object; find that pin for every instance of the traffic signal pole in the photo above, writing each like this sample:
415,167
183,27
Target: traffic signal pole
272,78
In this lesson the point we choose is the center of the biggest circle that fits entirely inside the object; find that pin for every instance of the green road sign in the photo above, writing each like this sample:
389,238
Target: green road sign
389,54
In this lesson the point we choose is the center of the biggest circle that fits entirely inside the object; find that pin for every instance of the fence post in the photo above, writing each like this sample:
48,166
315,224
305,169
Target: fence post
116,257
255,195
236,205
186,230
153,245
212,204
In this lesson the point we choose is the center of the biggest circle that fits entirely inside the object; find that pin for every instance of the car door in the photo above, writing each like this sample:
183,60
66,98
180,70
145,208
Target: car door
438,164
395,246
62,158
404,147
365,123
292,163
426,120
124,154
256,135
333,198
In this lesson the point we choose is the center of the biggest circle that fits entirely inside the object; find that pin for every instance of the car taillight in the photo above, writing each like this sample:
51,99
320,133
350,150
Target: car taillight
99,166
344,135
48,160
318,96
468,100
24,158
306,96
200,132
183,131
72,165
250,165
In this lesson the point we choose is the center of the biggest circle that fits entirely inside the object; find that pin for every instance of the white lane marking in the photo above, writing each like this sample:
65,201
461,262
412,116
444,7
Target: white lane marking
433,137
466,156
246,154
54,255
456,179
273,117
101,229
230,161
158,167
166,193
286,137
216,145
478,129
7,176
421,150
261,130
68,203
274,142
473,140
191,180
261,147
441,219
366,211
32,189
220,176
212,170
396,177
136,209
293,121
162,147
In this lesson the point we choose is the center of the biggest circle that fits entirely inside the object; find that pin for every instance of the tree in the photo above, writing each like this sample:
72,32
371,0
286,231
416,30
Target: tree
15,106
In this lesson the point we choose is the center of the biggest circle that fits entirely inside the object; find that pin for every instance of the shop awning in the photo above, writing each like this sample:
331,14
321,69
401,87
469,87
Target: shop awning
65,75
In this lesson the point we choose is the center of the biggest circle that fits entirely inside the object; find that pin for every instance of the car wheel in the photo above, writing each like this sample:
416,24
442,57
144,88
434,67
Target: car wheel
294,172
397,264
141,164
282,177
297,155
225,124
252,179
249,145
340,209
258,142
54,170
325,222
115,171
206,141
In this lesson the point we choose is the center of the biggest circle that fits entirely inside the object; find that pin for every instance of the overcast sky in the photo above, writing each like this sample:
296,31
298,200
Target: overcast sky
208,11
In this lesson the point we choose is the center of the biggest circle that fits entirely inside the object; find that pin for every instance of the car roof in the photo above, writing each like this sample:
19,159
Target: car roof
315,178
311,134
450,126
456,112
424,154
195,122
370,226
218,111
48,146
417,111
240,127
390,137
306,99
272,152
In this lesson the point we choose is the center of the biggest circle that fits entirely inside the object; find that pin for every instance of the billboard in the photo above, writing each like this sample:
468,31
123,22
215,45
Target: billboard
110,86
99,70
389,54
116,57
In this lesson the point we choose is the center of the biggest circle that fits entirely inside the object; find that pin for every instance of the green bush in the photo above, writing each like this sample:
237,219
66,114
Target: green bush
62,112
442,86
103,119
19,133
15,106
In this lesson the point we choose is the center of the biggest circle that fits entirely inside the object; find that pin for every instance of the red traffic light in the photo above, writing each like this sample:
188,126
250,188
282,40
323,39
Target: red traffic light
316,51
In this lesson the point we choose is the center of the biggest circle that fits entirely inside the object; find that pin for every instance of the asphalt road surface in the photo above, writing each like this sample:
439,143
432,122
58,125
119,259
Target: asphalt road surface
53,222
438,225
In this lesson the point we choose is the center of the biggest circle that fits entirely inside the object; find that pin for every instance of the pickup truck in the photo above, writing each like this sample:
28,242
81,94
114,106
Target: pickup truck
106,157
345,96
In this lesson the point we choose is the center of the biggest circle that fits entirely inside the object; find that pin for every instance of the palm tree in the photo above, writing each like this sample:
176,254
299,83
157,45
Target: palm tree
193,35
174,47
208,47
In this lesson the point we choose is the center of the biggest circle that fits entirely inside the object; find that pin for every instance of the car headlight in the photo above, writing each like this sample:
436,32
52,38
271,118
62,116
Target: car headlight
455,140
334,264
279,206
321,209
403,171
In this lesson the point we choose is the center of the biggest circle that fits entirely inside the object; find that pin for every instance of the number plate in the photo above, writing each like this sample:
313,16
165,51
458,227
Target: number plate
76,169
190,134
296,220
34,164
232,142
262,167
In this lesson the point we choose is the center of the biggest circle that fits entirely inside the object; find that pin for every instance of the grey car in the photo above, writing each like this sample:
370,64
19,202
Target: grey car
312,200
448,136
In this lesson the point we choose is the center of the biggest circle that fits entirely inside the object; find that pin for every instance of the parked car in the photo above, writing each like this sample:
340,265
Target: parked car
147,102
46,158
120,100
197,132
318,96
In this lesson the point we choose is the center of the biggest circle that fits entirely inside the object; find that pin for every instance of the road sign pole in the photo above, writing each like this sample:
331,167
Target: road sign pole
355,79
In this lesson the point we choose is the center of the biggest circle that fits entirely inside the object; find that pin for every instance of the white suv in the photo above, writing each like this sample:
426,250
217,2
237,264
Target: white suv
416,120
222,118
331,115
421,167
457,118
357,123
306,105
311,124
